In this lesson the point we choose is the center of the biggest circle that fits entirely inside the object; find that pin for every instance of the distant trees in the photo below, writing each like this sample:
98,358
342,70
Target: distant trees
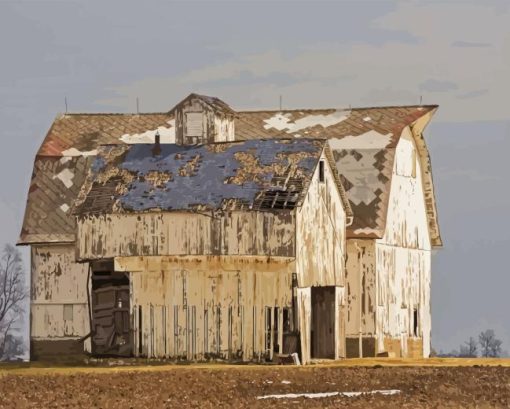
12,294
488,345
469,349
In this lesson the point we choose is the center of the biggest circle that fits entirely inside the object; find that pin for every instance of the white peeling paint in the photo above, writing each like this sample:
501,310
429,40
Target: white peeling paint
65,159
64,207
284,121
66,177
329,394
76,152
167,135
286,382
367,118
369,140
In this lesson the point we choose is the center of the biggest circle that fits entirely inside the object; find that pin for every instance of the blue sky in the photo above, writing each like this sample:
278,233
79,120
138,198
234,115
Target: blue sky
103,55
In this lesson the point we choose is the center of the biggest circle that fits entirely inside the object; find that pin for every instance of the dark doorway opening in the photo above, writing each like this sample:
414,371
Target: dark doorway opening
415,322
111,324
323,322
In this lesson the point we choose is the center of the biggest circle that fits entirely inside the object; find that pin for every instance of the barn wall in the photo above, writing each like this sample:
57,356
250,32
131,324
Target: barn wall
404,257
224,128
360,307
320,233
207,306
58,307
320,254
179,233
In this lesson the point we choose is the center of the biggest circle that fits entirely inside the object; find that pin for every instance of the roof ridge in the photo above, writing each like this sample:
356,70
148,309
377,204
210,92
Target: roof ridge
429,106
432,106
60,115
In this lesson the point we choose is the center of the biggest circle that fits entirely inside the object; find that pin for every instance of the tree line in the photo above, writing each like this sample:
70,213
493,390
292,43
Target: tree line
486,346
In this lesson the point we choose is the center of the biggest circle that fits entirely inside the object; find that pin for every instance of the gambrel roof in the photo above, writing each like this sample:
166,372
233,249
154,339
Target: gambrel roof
362,141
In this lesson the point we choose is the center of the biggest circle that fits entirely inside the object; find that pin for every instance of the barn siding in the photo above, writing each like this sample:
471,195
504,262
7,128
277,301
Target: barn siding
360,260
320,233
404,257
58,283
320,254
206,306
180,233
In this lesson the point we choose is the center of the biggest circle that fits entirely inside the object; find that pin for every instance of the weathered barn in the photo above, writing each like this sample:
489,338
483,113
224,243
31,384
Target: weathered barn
194,262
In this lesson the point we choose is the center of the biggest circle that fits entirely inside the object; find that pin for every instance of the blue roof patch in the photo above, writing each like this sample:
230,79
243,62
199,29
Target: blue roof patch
255,174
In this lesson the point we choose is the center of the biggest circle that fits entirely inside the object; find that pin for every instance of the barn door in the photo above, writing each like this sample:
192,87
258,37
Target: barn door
111,333
323,322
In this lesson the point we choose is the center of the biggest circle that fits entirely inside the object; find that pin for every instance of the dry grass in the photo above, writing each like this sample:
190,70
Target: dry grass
38,368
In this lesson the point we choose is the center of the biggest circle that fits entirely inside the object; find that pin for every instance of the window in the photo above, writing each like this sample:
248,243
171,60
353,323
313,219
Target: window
413,158
68,312
194,124
321,171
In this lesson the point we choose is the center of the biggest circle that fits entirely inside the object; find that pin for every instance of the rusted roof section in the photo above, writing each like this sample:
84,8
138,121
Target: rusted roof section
85,132
77,136
54,187
81,134
328,123
250,175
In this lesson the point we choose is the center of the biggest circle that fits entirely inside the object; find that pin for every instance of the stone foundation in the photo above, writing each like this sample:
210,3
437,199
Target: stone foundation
60,350
352,347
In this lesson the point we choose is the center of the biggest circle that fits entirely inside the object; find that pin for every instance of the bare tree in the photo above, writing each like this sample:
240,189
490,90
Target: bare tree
469,349
490,346
12,294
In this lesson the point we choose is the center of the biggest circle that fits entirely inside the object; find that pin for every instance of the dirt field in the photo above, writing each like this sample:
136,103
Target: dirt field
222,386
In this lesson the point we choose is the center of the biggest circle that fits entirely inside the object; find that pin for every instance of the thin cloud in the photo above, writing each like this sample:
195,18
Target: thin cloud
470,44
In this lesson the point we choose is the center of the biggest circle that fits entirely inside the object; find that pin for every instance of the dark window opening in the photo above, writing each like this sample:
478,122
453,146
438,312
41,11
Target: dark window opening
287,320
415,322
276,333
268,329
321,171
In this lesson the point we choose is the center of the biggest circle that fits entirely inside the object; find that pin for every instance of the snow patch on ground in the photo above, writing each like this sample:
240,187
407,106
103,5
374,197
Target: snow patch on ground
284,121
329,394
369,140
76,152
167,135
66,177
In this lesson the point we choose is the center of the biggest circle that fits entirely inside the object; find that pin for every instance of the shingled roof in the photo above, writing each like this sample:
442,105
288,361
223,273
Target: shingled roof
250,175
74,138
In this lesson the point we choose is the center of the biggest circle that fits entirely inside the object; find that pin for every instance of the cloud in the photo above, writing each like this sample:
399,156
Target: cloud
473,94
443,65
433,85
470,44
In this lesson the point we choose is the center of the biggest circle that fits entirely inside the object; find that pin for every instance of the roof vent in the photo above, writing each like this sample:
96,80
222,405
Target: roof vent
156,150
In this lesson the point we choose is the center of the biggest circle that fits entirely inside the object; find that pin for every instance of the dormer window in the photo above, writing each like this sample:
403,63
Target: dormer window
201,119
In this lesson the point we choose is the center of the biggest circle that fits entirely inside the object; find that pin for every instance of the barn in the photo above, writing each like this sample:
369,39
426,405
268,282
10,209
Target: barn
204,233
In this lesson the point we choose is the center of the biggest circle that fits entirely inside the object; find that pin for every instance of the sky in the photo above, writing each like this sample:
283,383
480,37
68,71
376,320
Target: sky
102,56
